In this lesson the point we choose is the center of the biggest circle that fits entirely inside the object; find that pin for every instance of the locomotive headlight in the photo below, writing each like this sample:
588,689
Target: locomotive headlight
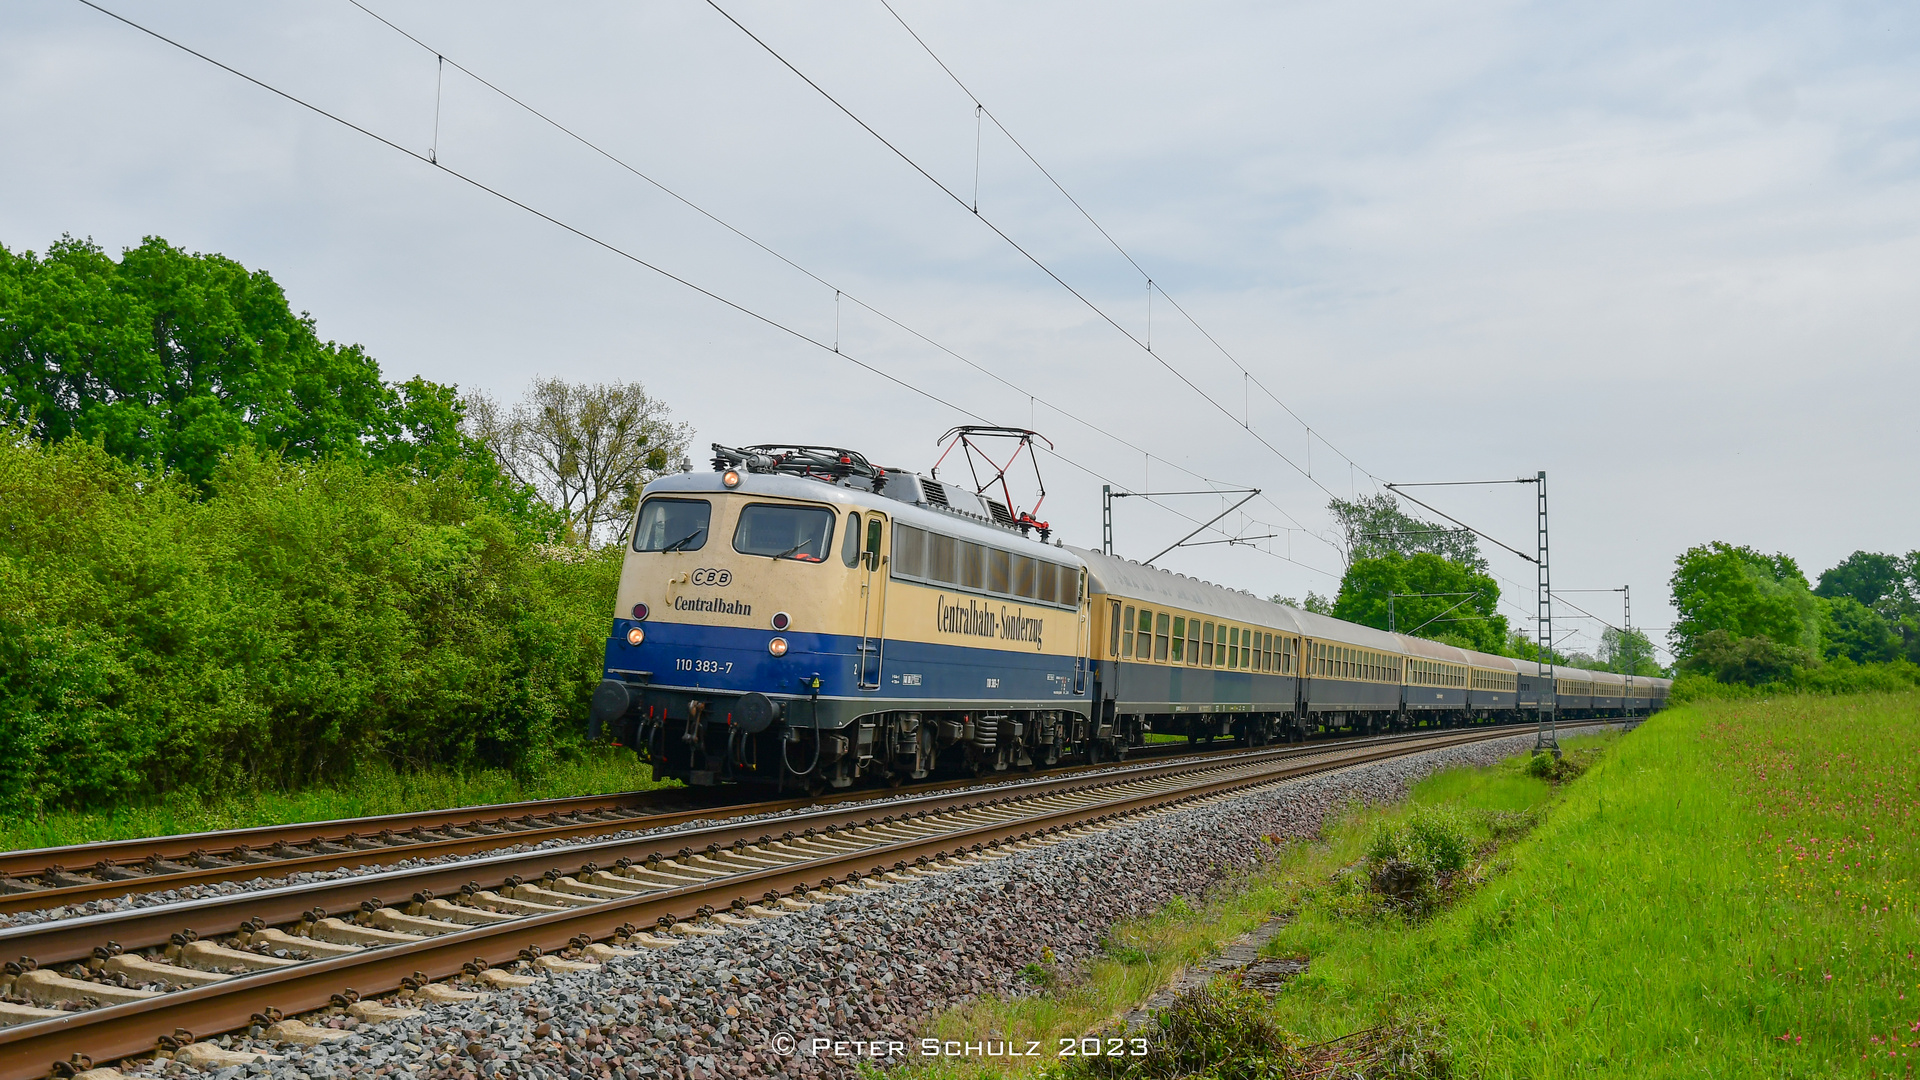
635,636
731,478
778,646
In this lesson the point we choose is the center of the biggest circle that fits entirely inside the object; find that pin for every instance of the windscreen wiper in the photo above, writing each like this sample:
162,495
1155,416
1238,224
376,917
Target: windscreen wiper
675,546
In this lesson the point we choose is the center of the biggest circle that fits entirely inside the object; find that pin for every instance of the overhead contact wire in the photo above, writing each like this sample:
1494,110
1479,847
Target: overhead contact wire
838,290
581,233
1029,256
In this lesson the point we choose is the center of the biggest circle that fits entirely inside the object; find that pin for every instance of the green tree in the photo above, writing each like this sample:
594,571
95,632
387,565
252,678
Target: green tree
1314,602
587,450
1627,650
1754,660
172,359
1744,593
1374,526
1461,614
1868,577
1858,632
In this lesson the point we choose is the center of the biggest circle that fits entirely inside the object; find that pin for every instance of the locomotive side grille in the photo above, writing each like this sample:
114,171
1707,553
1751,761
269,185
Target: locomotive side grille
936,492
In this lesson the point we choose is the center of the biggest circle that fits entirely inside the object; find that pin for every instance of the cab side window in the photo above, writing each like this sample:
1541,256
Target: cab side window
850,547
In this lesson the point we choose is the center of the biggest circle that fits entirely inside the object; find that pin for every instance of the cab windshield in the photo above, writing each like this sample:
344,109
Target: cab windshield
672,525
803,533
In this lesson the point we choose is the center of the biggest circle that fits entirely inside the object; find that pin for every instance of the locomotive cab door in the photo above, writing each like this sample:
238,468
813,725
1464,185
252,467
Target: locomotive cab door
1083,640
873,601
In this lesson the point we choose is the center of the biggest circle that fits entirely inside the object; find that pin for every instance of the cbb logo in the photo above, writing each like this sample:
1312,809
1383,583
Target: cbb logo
705,576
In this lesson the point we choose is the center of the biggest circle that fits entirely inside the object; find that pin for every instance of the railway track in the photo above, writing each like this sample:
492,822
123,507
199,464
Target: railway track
149,980
42,878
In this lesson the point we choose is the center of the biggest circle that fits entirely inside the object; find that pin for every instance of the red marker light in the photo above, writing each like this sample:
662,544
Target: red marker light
640,612
781,621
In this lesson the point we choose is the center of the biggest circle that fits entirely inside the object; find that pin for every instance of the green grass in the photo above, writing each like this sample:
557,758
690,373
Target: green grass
375,790
1729,893
1145,955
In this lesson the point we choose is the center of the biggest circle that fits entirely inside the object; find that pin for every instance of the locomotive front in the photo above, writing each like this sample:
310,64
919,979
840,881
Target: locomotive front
742,610
751,639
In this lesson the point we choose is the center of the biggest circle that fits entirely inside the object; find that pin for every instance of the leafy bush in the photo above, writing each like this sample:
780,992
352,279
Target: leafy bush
1433,836
276,626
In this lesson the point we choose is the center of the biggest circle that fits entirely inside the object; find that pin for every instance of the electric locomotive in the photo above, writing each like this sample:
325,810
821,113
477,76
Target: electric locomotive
803,619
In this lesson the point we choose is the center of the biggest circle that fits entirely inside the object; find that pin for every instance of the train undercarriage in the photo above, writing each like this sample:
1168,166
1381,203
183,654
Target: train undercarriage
891,749
879,749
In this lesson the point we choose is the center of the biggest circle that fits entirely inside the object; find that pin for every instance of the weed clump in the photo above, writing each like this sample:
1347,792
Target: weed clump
1560,770
1220,1031
1410,863
1225,1031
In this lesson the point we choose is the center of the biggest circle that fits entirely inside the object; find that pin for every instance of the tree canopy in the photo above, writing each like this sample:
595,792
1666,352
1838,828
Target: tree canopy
1746,617
1431,597
586,449
1374,526
1719,586
171,359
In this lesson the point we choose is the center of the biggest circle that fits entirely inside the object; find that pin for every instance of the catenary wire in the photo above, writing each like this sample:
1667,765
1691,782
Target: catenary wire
1036,261
1124,253
716,219
838,290
597,241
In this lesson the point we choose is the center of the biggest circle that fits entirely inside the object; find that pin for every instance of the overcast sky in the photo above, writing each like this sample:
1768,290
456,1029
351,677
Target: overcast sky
1665,252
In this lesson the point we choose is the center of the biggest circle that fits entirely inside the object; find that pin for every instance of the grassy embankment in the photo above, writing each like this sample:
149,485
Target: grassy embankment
375,790
1730,891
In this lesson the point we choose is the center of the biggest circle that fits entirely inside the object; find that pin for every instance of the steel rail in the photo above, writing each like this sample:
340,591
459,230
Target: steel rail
351,833
62,940
64,896
114,1032
28,861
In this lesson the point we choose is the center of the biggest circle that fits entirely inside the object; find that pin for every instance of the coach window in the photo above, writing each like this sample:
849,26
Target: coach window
1206,645
850,547
1249,642
672,525
1023,576
1146,634
1113,616
1233,647
1220,645
1160,637
1049,582
943,557
909,552
801,533
1179,640
1266,652
1193,642
1126,639
999,571
973,574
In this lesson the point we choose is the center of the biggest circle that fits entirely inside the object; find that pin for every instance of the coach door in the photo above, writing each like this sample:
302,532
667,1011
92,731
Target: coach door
873,601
